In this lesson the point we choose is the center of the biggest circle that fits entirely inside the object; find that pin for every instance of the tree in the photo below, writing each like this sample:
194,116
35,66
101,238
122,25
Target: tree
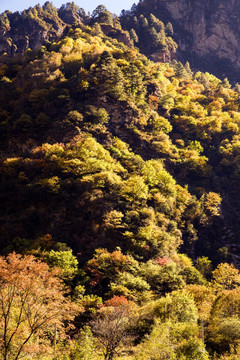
180,70
162,278
144,22
156,23
203,298
133,35
65,260
172,341
157,345
226,84
188,69
85,345
204,265
97,116
204,80
192,276
154,39
70,6
226,277
32,302
109,76
113,325
102,15
106,267
169,29
223,332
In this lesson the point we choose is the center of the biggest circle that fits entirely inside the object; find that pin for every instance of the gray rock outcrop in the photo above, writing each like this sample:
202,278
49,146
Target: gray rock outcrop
207,32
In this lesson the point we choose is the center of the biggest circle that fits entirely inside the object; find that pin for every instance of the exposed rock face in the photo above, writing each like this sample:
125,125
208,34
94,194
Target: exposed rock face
207,31
214,25
18,33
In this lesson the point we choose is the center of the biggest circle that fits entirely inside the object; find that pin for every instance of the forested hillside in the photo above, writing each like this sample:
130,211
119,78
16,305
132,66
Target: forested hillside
119,188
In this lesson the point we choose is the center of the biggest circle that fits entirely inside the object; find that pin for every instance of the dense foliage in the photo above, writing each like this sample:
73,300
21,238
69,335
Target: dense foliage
150,34
124,174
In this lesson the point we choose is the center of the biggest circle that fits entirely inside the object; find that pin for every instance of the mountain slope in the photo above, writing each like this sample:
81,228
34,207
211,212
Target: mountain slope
123,173
89,85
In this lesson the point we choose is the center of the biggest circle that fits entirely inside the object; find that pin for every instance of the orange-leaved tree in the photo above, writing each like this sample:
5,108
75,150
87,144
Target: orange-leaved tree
32,304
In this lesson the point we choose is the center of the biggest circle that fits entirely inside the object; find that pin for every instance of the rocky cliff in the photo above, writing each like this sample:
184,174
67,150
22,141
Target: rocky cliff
207,32
36,26
29,29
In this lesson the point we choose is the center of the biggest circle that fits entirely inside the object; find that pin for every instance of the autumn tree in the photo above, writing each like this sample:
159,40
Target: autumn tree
84,345
32,303
172,341
113,325
226,277
223,332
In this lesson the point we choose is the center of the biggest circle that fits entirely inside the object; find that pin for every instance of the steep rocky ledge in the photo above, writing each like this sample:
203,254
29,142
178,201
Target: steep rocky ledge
207,32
